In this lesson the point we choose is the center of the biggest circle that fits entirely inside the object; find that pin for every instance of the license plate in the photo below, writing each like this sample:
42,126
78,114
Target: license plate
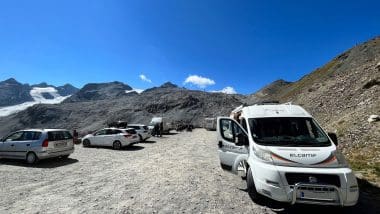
318,195
60,144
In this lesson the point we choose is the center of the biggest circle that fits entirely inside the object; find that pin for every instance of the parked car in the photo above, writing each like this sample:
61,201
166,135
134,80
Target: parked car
35,144
285,155
142,131
114,137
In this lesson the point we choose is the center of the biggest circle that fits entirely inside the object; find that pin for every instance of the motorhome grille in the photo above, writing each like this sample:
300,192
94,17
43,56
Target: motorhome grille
293,178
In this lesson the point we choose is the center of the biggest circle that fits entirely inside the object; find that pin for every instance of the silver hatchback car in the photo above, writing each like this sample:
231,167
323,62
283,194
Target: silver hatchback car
34,144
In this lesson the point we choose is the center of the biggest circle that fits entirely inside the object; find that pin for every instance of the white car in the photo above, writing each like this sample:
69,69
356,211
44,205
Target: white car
114,137
33,145
142,131
285,155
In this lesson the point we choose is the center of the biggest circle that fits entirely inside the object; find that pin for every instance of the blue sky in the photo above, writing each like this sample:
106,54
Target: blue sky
241,44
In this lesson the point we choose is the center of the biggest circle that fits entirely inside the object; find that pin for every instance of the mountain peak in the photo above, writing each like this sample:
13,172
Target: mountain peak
41,85
168,85
11,81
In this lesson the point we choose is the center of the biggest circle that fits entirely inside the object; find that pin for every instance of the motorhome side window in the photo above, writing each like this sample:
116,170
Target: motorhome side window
244,124
288,132
230,130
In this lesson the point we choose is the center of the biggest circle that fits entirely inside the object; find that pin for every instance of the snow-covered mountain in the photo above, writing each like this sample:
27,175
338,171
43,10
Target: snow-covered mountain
15,97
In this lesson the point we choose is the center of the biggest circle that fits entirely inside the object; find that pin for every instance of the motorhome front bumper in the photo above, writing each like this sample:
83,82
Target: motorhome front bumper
317,194
273,182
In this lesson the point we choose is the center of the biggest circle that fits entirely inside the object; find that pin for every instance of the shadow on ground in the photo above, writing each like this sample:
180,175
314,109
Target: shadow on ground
48,163
132,148
369,202
149,141
126,148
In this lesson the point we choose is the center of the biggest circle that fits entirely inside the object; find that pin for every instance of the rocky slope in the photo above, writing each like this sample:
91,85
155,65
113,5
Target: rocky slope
342,95
13,92
85,114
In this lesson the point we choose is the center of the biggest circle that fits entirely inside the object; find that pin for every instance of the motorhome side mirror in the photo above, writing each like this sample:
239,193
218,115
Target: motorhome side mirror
242,139
333,137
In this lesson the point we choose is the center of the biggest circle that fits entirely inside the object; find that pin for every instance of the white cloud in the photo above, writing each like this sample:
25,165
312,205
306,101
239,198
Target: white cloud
144,78
201,82
226,90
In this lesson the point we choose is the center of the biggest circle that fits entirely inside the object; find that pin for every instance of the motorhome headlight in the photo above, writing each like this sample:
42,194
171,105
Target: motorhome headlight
264,155
340,158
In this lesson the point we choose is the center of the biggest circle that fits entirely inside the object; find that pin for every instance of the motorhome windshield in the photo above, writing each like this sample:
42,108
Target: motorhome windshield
287,131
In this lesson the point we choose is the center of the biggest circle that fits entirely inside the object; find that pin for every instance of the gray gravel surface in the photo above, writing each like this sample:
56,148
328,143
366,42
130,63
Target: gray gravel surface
178,173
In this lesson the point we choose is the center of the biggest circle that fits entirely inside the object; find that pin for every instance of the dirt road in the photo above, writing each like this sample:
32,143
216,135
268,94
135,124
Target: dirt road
177,173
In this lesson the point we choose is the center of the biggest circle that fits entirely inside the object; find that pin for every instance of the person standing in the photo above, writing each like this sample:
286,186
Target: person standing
75,136
156,129
161,128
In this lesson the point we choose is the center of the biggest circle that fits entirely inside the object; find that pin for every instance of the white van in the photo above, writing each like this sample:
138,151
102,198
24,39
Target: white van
285,155
167,126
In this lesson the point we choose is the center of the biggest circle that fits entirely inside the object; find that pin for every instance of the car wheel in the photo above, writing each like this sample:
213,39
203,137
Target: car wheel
31,158
116,145
65,156
251,186
86,143
141,139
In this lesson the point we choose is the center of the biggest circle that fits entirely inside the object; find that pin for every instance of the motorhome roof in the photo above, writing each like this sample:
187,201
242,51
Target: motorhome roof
279,110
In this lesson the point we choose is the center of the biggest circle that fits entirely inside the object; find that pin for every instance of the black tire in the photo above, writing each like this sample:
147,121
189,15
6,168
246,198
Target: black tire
251,188
86,143
31,158
140,138
65,156
116,145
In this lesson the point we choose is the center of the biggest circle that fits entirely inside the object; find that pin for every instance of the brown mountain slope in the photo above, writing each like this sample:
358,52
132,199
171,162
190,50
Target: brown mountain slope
342,95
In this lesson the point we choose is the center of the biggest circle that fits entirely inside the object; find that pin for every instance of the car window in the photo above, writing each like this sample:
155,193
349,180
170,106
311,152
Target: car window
100,132
14,137
134,127
131,131
109,131
59,135
30,135
146,127
116,131
67,135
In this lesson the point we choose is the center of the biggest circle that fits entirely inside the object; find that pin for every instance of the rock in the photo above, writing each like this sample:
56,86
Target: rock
374,118
378,66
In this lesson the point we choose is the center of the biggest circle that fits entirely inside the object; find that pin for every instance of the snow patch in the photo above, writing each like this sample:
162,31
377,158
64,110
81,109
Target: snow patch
37,95
139,91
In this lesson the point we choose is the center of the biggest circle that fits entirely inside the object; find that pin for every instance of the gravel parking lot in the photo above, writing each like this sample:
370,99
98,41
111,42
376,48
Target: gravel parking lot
178,173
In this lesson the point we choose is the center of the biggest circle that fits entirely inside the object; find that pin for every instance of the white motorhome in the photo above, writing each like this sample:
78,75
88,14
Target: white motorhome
285,155
166,126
